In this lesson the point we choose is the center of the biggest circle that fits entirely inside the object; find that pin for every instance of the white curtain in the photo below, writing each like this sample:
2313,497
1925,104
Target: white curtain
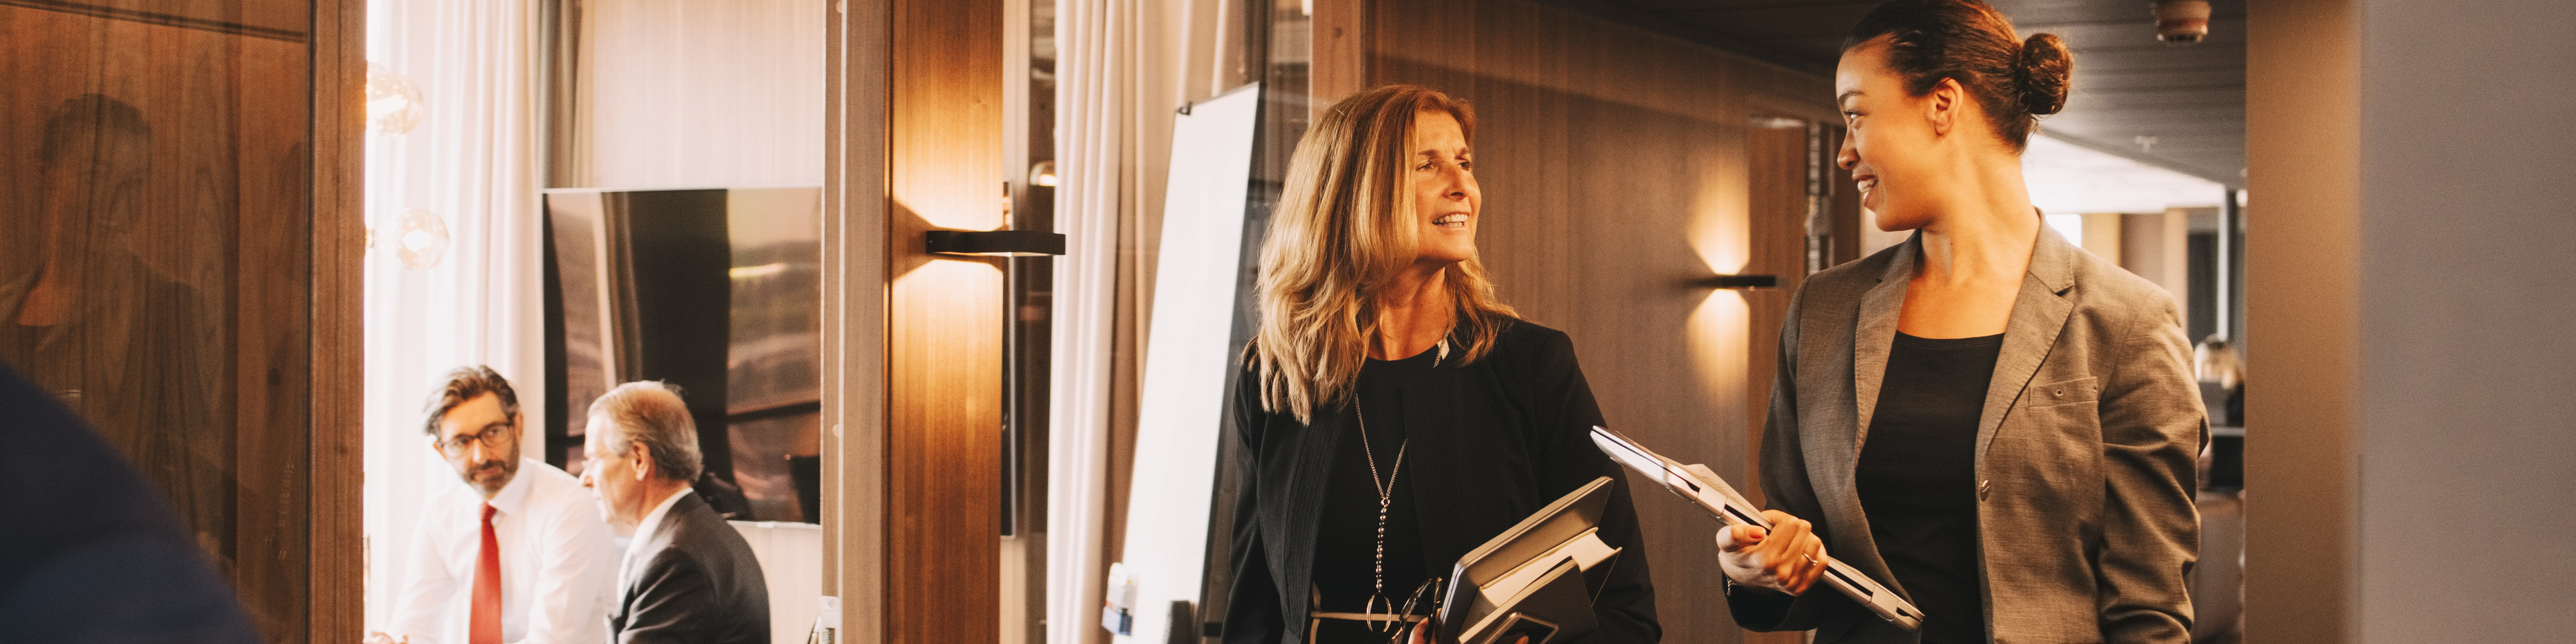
1096,43
698,94
1122,68
472,160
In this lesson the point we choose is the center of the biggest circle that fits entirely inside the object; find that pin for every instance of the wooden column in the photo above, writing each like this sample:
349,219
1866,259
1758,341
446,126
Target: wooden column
944,325
2303,155
914,348
337,579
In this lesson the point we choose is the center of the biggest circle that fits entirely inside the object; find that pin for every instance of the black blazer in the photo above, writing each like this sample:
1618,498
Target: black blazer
701,585
1513,436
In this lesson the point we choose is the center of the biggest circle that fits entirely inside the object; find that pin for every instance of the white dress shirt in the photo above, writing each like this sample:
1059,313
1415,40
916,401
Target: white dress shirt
557,559
644,535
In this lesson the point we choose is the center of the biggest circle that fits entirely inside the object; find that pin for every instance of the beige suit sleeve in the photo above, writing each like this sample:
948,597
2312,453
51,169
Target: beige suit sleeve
2152,430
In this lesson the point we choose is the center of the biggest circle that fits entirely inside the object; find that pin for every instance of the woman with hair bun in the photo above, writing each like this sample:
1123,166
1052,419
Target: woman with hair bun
1985,418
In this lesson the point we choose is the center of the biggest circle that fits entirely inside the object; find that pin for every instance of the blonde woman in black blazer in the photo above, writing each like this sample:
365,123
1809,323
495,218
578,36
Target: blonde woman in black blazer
1392,414
1996,423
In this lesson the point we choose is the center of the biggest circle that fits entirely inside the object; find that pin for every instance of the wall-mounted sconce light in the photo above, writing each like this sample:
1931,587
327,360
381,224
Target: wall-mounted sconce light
994,243
1739,281
1043,173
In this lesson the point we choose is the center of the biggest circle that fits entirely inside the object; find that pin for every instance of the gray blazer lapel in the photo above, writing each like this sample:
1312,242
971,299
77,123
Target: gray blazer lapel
1880,308
2039,313
1834,458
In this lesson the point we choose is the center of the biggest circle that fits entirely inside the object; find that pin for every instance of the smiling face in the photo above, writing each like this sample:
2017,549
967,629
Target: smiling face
1446,200
1889,147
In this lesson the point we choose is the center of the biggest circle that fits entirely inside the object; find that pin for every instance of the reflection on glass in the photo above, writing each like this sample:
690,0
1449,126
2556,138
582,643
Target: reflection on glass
100,309
633,273
773,359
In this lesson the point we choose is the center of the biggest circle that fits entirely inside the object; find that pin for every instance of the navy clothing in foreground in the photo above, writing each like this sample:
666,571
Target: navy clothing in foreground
1492,441
1918,478
93,554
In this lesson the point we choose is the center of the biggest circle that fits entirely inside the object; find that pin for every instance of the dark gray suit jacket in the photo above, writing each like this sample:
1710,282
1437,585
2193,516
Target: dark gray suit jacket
699,585
2085,452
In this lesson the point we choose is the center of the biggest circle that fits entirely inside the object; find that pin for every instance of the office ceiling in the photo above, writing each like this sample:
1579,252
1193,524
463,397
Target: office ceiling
2176,107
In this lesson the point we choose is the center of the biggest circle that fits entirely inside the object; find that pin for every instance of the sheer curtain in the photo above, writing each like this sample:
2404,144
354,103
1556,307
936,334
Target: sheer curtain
471,159
1122,68
695,94
1096,44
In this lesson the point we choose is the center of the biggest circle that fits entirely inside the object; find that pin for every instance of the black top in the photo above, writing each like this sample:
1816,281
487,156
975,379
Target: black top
1918,478
1491,442
1346,540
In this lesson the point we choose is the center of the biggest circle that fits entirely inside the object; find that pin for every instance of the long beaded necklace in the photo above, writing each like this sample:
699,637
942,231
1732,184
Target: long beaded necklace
1385,488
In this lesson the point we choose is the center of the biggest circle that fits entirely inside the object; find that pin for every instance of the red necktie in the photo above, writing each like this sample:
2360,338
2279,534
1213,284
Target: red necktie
484,626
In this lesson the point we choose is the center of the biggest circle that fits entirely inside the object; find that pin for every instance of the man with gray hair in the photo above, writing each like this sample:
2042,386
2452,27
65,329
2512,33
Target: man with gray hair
688,576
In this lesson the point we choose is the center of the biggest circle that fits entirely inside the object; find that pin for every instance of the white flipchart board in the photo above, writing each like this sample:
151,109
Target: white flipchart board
1187,357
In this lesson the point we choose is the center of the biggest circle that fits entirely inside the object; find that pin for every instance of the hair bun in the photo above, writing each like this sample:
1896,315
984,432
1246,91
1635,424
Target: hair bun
2043,73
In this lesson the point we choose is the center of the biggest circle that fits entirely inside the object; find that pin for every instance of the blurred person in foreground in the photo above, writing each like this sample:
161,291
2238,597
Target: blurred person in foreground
689,577
94,552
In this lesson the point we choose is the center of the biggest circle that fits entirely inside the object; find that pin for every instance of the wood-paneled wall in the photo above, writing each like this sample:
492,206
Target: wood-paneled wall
939,515
1618,166
337,580
186,188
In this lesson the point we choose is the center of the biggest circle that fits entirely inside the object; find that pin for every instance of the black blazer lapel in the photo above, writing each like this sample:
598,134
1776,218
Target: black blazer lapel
633,565
1294,556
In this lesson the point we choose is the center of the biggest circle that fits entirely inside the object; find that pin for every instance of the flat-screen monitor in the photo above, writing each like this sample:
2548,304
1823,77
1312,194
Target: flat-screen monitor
717,292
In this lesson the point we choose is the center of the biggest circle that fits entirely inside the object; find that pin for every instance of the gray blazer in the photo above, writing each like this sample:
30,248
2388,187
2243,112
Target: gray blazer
2085,452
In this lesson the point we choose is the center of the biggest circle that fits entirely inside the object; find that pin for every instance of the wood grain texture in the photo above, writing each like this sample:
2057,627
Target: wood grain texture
1341,44
1776,190
1618,168
336,583
855,249
945,319
181,198
1776,185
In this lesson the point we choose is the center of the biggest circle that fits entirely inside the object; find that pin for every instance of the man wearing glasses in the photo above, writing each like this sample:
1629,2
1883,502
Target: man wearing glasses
519,554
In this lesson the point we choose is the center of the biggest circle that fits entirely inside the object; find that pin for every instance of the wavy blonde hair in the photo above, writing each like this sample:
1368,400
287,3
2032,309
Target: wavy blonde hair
1344,228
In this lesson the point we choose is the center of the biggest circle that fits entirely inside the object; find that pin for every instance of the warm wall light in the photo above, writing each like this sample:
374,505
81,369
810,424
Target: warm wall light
1739,281
393,102
420,238
1043,173
994,243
